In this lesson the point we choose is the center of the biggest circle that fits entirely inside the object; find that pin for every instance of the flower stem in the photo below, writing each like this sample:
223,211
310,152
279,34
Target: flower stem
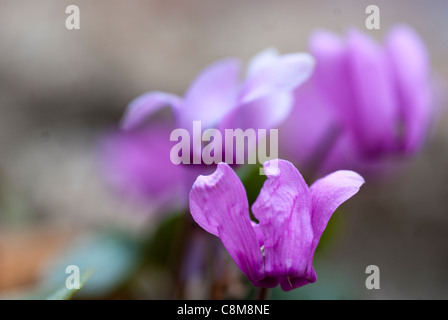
262,293
182,244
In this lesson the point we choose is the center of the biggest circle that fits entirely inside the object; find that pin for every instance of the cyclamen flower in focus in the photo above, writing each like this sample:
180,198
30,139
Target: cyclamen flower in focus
364,104
292,217
216,98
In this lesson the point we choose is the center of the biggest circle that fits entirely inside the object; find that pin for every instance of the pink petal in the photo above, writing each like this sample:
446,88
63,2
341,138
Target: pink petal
218,203
211,95
262,60
283,208
310,130
283,74
138,164
411,67
331,77
143,107
375,104
265,113
328,194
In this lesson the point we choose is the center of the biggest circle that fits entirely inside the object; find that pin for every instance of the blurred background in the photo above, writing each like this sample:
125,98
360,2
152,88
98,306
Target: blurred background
60,90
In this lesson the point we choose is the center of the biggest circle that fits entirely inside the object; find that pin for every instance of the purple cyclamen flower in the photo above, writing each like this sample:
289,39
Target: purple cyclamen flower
217,97
137,158
134,164
365,103
292,217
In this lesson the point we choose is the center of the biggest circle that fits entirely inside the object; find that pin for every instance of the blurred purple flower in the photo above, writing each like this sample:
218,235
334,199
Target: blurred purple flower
263,100
292,217
137,158
135,164
364,104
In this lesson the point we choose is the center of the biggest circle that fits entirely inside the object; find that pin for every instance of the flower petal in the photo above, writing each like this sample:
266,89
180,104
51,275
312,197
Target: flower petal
266,98
261,60
212,94
310,130
258,233
331,77
290,283
141,108
138,164
283,74
265,113
411,68
375,104
283,208
218,203
327,194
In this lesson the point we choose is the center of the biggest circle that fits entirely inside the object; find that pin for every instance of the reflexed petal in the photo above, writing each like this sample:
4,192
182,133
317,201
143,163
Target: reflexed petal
212,94
327,194
283,208
266,98
376,111
284,74
218,203
411,66
261,60
265,113
310,130
332,75
143,107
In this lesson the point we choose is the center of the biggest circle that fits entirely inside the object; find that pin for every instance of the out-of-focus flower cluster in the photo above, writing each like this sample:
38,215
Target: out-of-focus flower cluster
365,107
351,104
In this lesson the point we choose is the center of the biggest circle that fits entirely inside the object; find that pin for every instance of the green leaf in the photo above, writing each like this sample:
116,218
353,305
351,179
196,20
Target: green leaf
252,180
67,294
114,256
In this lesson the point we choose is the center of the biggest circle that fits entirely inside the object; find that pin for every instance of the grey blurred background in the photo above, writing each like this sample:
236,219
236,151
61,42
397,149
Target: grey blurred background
60,89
